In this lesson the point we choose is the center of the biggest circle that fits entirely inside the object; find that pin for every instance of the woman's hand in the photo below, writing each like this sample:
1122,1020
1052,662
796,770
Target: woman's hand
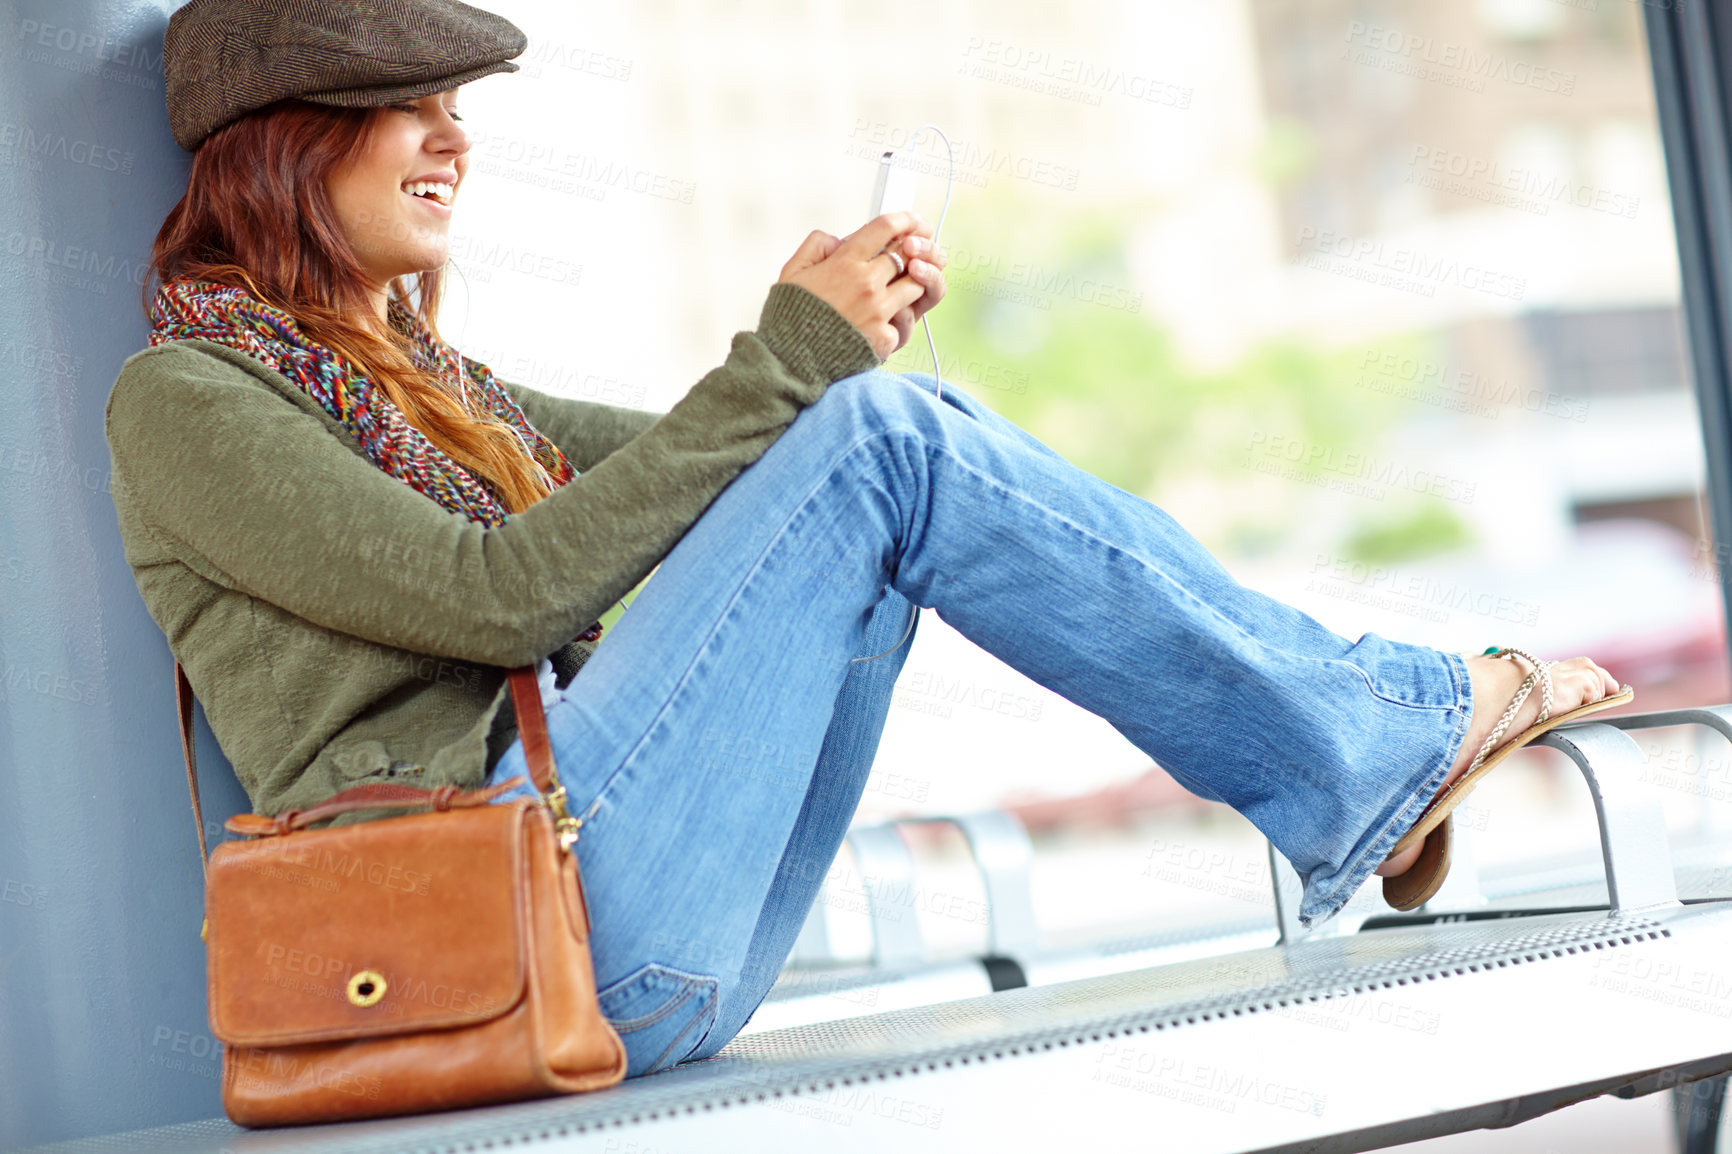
857,279
925,265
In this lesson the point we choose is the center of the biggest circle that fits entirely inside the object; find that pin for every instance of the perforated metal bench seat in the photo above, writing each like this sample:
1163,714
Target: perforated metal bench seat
1339,1043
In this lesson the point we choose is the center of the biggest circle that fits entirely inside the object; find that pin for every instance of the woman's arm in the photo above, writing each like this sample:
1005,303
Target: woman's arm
585,431
252,491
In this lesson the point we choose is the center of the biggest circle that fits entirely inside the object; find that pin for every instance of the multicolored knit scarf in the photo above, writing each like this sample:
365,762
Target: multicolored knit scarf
188,310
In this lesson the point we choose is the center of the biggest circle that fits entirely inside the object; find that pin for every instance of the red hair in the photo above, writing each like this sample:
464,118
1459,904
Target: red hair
257,216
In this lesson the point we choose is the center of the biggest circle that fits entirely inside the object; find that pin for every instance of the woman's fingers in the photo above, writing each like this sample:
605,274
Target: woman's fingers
872,237
903,323
930,282
903,291
883,268
913,250
917,246
897,300
930,277
817,246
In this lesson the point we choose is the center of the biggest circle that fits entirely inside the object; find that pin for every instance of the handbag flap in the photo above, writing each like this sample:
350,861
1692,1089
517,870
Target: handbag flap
391,926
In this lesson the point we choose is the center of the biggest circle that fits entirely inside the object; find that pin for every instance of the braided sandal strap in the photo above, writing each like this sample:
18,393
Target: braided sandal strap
1541,675
1543,669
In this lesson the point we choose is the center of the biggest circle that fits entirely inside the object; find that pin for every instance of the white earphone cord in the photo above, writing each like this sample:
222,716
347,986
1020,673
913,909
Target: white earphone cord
926,322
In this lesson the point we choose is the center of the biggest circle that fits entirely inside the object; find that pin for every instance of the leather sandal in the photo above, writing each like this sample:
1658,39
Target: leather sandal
1416,885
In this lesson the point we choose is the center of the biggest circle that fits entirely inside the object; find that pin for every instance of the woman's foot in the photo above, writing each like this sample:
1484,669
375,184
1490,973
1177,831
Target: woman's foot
1494,681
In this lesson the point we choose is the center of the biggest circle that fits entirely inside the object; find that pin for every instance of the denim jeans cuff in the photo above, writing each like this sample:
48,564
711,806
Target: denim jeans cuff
1320,902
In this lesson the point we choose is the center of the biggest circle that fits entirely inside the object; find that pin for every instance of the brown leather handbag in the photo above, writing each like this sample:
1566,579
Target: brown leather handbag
429,961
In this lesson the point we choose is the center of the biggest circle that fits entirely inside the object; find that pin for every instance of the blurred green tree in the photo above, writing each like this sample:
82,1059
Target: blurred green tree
1104,384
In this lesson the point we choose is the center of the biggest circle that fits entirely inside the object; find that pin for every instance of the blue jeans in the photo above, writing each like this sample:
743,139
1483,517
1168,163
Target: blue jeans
718,740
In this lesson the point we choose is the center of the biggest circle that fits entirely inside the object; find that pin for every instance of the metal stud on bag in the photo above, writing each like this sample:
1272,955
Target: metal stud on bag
366,988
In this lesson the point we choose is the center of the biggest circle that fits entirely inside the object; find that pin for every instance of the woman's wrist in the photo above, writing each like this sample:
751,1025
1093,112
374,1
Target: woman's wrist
811,339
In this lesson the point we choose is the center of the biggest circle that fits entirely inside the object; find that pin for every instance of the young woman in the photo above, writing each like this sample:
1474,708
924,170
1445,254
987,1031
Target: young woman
347,531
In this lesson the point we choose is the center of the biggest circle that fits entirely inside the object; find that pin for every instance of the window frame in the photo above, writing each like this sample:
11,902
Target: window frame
1688,46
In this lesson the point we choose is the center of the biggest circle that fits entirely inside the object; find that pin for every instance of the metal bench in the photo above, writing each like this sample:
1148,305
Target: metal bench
1461,1015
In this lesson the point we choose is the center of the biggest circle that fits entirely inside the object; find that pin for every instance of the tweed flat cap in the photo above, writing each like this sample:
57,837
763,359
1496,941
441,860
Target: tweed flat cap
226,58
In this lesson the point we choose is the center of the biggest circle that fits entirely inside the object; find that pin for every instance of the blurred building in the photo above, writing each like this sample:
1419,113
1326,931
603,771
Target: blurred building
1522,133
1532,109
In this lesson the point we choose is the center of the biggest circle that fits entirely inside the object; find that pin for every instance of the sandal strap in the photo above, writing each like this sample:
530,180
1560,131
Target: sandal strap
1541,675
1544,671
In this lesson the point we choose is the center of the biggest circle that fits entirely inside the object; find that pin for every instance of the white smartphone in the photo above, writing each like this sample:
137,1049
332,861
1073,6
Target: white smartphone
893,191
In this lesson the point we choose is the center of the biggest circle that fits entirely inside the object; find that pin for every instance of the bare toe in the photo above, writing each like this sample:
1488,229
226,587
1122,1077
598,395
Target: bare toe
1580,681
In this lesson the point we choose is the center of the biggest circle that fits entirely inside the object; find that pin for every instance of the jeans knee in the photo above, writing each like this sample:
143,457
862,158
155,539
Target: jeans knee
926,381
878,399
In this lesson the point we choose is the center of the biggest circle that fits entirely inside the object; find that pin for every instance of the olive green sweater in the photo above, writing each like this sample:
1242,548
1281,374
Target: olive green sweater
338,626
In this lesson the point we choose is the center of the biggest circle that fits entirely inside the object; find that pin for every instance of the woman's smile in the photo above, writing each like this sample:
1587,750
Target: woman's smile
435,195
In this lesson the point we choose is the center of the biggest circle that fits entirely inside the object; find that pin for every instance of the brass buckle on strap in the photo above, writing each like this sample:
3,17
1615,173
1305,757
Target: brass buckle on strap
564,824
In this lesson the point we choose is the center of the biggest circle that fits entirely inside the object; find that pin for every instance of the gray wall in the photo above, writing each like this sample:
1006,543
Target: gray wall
102,1019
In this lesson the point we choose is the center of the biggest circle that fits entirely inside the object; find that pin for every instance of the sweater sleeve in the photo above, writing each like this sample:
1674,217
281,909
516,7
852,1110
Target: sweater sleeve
256,494
585,431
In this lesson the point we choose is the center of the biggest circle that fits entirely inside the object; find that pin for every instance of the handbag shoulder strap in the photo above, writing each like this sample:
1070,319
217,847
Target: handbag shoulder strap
531,728
183,703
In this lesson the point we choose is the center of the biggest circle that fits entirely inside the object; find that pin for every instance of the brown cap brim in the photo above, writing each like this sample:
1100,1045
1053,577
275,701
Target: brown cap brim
225,58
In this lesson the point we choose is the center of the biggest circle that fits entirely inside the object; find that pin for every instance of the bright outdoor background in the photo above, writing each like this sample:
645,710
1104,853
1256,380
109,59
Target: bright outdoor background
1380,299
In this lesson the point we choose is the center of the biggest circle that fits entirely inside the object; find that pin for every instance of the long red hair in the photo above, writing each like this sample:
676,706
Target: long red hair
257,216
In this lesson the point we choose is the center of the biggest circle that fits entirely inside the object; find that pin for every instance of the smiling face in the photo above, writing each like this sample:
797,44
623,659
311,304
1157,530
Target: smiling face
395,200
